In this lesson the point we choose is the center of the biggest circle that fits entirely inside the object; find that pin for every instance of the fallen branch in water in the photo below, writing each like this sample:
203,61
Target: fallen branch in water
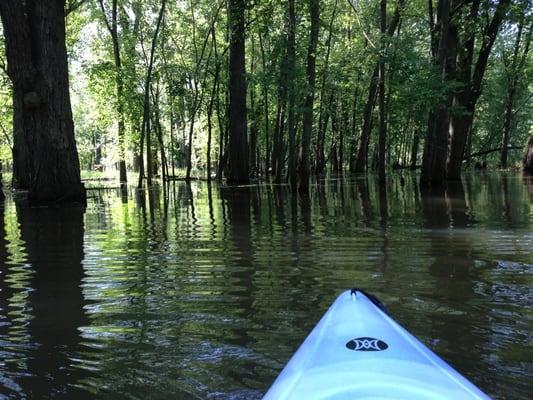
485,152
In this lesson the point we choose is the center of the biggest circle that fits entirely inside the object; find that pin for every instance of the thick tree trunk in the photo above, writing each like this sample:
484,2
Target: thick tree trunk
304,165
45,155
465,100
238,171
436,144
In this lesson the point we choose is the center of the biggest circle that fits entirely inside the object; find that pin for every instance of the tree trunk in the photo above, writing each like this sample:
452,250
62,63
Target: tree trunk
172,142
366,127
353,141
253,134
344,128
414,150
113,31
160,140
149,153
291,67
145,131
254,126
436,145
238,171
278,148
322,125
304,166
466,99
223,137
45,157
382,122
266,113
528,158
506,134
210,113
364,137
515,74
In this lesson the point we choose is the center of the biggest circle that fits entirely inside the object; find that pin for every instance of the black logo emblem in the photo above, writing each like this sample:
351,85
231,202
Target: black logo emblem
367,344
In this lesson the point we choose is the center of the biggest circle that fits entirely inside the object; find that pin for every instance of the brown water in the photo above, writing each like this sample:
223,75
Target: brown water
205,292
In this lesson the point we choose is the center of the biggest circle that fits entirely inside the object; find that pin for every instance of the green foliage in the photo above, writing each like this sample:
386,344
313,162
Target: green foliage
192,56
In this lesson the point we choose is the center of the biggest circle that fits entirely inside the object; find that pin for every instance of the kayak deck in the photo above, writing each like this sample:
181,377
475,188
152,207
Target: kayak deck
357,351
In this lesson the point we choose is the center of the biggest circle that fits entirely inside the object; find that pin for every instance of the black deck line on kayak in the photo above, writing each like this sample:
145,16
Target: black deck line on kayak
372,298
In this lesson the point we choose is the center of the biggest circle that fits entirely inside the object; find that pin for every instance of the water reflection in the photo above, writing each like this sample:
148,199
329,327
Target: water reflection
200,291
53,245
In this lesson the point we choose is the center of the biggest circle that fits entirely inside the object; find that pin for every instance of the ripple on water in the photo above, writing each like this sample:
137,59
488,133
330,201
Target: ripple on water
207,293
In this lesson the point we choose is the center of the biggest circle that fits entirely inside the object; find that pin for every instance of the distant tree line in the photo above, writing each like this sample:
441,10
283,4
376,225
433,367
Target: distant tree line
272,90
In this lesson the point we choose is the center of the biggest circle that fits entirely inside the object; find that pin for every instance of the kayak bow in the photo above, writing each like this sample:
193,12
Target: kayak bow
356,351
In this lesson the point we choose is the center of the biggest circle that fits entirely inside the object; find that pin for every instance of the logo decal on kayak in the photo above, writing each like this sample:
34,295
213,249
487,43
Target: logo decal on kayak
367,344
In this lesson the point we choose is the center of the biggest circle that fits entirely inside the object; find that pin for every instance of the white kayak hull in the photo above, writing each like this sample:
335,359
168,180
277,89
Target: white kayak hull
357,351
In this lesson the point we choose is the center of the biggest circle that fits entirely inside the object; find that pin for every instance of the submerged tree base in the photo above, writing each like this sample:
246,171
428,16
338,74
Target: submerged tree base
76,195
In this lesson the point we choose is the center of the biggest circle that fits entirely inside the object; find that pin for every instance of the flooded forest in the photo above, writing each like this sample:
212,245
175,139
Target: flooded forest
186,186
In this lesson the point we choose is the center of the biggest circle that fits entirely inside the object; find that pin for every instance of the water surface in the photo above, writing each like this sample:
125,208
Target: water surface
204,292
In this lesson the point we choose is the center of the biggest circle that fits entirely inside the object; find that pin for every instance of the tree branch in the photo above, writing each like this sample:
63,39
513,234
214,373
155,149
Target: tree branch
73,5
485,152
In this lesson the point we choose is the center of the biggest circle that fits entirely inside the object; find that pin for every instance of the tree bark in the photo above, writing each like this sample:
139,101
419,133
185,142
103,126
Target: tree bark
278,146
266,108
254,126
512,84
112,27
322,125
210,106
304,164
382,122
436,144
466,98
366,127
291,67
145,131
45,157
238,168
